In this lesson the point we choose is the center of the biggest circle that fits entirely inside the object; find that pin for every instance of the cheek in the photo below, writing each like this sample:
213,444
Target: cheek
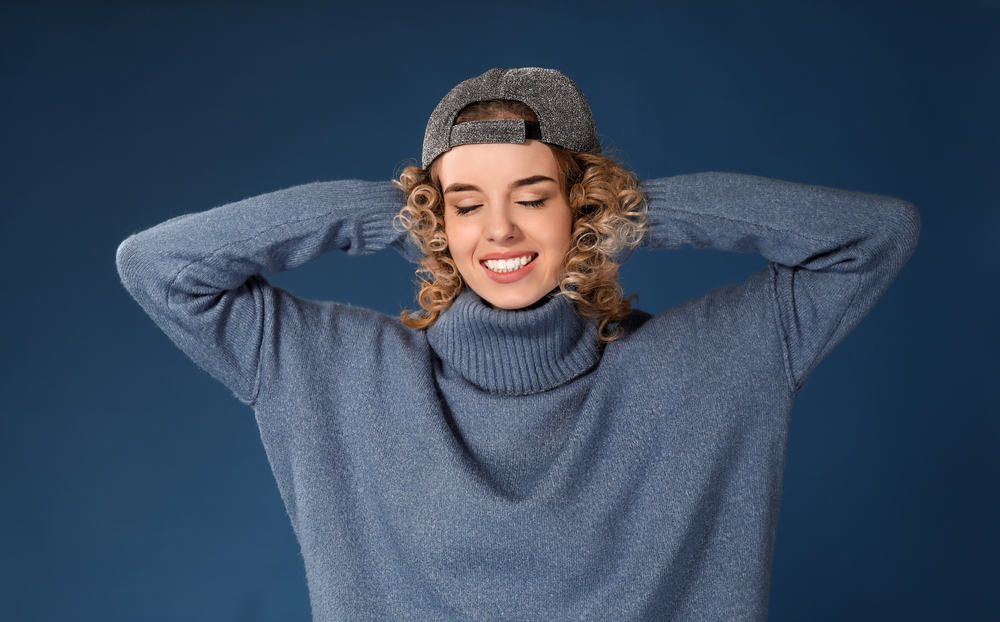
560,231
461,239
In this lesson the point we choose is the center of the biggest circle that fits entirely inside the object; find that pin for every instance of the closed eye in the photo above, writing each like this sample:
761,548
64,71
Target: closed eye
461,211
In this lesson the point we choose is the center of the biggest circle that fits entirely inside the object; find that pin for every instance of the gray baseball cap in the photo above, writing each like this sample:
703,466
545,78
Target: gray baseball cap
563,113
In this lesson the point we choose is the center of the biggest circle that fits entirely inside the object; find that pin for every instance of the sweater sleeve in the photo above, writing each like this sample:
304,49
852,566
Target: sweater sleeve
198,275
832,253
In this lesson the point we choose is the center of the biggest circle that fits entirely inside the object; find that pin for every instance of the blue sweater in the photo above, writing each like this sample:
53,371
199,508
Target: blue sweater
505,465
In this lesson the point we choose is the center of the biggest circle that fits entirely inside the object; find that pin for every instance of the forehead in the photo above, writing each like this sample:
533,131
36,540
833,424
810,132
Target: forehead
496,162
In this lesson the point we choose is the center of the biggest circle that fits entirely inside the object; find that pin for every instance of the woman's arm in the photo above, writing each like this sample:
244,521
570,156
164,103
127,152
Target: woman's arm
832,252
198,275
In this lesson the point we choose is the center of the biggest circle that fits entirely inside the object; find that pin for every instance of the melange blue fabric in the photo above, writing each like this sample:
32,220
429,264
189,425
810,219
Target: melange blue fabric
504,464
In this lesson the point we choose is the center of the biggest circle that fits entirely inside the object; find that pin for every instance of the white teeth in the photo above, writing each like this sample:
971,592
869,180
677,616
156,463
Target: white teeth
507,265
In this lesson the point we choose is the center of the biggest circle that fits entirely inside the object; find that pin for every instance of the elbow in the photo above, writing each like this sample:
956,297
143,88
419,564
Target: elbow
137,267
127,262
906,226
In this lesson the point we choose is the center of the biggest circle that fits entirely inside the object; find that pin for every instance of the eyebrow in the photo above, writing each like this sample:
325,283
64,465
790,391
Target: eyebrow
527,181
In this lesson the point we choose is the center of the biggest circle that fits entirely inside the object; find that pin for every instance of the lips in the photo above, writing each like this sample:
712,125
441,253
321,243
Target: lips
508,255
513,275
508,264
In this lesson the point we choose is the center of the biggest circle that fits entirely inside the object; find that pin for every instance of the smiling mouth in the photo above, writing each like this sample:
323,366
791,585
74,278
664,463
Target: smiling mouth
504,266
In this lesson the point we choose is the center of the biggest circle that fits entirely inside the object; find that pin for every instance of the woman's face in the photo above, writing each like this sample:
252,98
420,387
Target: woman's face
505,201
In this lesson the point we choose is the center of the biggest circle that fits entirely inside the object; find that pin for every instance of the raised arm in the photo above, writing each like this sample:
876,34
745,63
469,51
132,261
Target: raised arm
832,252
198,275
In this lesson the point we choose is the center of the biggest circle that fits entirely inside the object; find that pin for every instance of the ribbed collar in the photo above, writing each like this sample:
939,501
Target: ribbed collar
515,352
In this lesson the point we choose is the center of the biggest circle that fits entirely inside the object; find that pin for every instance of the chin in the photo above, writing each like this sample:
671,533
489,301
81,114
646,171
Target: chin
510,300
514,306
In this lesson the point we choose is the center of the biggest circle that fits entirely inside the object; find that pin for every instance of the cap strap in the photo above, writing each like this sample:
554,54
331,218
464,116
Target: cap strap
494,131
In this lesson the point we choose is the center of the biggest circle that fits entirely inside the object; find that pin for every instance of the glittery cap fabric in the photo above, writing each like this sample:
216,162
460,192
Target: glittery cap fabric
563,113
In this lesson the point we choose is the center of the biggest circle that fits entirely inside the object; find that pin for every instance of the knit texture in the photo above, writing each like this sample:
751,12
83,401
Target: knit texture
503,464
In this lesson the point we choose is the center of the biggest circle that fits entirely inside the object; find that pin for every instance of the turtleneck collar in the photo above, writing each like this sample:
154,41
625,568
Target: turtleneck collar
515,352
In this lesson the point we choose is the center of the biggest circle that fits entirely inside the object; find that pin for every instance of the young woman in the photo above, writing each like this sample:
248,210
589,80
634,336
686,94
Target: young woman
526,446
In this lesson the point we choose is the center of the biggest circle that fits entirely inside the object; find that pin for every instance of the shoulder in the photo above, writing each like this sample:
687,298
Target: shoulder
330,323
727,316
729,339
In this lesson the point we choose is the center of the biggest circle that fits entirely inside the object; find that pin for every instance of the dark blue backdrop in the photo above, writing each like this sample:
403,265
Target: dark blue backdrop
135,487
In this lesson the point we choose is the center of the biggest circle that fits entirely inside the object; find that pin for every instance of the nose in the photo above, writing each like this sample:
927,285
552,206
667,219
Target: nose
500,227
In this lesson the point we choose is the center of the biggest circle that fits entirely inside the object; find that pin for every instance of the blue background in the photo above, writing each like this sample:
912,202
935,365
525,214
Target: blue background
135,487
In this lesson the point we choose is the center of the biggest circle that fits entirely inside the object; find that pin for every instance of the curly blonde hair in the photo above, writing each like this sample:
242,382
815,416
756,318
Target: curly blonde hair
609,213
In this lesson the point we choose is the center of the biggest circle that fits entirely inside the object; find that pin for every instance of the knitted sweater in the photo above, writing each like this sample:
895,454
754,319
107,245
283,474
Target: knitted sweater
504,464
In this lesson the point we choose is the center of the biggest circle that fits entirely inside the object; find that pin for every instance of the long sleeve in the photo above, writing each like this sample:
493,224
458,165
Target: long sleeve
832,252
198,275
